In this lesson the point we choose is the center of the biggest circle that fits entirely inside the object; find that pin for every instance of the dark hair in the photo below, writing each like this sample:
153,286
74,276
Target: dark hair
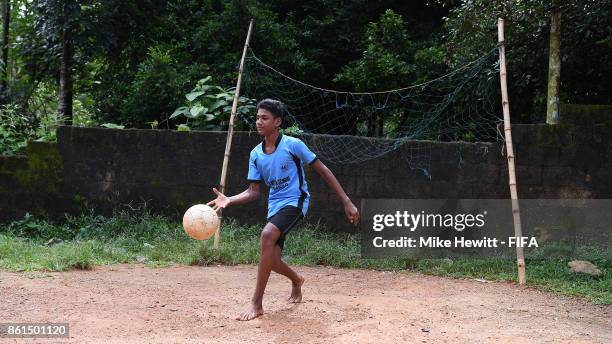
276,107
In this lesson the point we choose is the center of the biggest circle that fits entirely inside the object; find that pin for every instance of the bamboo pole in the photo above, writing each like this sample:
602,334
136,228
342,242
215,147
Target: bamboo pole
230,132
518,232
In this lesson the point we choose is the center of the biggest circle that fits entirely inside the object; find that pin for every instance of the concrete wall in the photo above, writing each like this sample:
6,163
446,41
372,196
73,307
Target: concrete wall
172,170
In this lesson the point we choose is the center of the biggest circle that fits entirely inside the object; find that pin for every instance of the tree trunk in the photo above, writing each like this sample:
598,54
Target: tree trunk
371,124
6,19
375,125
65,83
381,126
554,68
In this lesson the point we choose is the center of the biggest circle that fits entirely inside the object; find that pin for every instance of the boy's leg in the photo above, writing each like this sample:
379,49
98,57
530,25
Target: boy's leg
284,269
269,236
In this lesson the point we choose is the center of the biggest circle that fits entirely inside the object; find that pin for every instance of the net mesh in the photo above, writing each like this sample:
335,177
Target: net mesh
462,105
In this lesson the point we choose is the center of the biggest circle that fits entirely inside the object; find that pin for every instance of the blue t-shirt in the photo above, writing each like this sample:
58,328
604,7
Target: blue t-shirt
283,173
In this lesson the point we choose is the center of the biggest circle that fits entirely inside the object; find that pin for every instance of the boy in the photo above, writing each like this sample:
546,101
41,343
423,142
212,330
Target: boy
277,161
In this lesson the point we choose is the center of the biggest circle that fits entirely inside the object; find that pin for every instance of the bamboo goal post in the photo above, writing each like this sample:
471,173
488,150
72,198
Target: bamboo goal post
230,132
516,213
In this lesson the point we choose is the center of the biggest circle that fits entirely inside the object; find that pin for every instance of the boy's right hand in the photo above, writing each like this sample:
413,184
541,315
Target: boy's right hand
221,202
352,214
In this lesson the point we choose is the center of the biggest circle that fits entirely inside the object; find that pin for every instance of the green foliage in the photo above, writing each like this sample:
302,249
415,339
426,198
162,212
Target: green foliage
292,130
15,129
156,87
430,62
32,227
39,120
309,41
134,60
390,60
209,107
138,223
386,61
471,30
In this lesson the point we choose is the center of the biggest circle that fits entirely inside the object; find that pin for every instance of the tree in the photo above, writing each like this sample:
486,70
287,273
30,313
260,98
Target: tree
471,32
554,67
59,22
6,18
390,60
386,63
57,44
66,32
309,40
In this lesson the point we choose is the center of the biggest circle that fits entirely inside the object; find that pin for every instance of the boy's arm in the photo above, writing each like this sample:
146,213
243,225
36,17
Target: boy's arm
352,214
249,195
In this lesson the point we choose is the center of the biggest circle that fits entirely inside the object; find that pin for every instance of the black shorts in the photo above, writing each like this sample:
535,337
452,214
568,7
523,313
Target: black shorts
285,219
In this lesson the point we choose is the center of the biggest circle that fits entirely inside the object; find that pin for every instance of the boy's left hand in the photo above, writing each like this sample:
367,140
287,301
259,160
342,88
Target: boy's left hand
352,214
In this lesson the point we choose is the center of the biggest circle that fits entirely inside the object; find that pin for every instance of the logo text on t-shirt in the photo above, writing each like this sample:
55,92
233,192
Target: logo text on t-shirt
279,184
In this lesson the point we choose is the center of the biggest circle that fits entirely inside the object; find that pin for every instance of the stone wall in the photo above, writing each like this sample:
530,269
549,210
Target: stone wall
170,170
32,183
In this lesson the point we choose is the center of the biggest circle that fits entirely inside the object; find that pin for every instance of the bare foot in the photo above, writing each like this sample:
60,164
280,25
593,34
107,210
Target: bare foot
251,313
296,291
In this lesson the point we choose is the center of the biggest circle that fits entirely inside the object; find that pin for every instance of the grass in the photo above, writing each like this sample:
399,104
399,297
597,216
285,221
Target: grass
130,237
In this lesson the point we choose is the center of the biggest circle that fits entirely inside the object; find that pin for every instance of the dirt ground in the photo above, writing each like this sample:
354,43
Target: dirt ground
189,304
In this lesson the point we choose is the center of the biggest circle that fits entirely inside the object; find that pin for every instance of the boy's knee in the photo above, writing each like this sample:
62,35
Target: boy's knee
269,237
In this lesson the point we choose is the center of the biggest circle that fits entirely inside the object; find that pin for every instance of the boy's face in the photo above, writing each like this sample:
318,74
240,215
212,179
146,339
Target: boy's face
266,122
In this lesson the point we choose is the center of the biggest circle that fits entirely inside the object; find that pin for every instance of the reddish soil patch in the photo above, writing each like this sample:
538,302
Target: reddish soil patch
188,304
